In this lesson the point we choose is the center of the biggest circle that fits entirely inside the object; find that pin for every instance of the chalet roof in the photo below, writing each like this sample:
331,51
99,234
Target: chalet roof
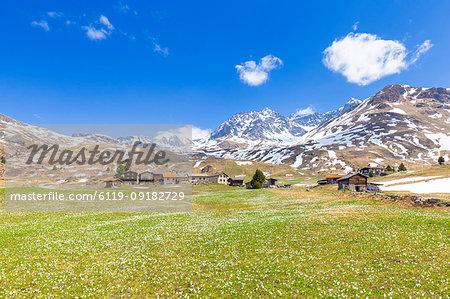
219,173
351,175
200,175
169,175
146,172
335,176
236,179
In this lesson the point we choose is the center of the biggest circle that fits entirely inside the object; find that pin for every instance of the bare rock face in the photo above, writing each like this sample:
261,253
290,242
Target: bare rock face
207,169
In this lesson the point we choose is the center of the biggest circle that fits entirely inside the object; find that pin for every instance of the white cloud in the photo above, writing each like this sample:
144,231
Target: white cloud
304,112
198,133
355,26
104,20
364,58
54,14
423,48
95,34
158,49
183,132
98,33
42,24
256,74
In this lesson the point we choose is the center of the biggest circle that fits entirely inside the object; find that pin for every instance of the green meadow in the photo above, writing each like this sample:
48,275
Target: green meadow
235,243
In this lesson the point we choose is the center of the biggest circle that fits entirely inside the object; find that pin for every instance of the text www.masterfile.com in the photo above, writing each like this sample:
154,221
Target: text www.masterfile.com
101,196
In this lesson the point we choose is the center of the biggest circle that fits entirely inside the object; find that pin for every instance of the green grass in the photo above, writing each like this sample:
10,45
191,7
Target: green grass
236,242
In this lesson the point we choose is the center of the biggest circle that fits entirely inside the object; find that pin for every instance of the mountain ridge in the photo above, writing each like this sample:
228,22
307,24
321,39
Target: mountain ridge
270,125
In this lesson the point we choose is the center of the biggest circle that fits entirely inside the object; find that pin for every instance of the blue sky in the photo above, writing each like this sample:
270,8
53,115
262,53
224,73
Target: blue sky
185,61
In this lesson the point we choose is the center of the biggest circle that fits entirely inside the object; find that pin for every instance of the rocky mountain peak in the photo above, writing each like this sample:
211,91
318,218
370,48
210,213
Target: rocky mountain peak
268,124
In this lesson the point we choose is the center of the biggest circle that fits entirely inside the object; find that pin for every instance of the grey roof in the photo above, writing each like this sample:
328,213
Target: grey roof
218,174
236,178
200,175
351,175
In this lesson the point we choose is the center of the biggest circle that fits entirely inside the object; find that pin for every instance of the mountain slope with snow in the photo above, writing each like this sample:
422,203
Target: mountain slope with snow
313,120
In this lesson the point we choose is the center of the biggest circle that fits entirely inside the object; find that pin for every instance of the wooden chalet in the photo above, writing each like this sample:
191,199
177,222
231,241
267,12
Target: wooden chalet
354,182
234,181
197,178
130,178
270,183
169,178
146,177
219,178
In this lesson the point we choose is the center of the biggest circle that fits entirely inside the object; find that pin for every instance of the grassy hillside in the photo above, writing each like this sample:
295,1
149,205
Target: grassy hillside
437,170
247,168
235,243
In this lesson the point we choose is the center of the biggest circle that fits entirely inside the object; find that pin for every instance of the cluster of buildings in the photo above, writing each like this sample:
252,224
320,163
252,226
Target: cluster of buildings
223,178
356,181
163,178
147,177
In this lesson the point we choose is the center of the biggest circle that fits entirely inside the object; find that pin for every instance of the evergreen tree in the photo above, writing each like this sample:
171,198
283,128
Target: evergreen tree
3,160
256,185
402,167
441,160
258,179
371,173
119,171
389,168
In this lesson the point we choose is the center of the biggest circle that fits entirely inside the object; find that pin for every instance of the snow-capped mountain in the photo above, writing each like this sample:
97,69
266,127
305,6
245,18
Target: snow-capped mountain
312,120
399,123
265,124
270,125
